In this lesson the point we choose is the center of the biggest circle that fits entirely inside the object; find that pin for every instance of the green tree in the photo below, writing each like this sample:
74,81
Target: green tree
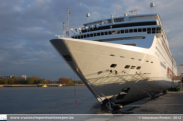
41,81
14,77
13,80
71,83
30,80
80,82
10,81
23,81
3,81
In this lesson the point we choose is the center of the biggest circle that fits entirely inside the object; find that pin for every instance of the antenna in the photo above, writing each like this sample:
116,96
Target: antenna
63,28
133,12
88,15
152,5
68,23
119,8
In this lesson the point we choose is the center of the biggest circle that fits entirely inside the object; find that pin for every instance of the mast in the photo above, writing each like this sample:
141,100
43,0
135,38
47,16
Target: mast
63,29
68,23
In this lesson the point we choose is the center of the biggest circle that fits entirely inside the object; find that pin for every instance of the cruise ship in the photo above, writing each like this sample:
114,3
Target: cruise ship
121,58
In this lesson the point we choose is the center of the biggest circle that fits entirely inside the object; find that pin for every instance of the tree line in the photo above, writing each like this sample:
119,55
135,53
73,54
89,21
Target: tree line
38,80
30,80
69,81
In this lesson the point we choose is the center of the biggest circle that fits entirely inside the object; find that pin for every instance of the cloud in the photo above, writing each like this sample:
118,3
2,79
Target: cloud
26,26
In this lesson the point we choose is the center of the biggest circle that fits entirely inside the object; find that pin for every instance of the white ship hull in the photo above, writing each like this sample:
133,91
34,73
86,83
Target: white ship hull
92,60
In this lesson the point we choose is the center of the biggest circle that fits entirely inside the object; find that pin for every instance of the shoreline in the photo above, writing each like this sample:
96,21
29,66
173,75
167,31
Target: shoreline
32,85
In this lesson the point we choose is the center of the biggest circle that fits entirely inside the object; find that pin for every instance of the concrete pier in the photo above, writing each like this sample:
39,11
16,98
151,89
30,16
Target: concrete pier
170,103
164,107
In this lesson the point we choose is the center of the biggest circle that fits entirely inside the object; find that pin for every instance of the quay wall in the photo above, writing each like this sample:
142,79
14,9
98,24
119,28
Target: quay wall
20,85
32,85
79,84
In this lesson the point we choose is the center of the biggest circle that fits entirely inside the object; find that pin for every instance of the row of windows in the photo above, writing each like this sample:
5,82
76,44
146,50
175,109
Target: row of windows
132,58
100,27
132,67
148,30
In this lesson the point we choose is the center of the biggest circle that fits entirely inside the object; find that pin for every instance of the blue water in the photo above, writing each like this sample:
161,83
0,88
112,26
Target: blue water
49,100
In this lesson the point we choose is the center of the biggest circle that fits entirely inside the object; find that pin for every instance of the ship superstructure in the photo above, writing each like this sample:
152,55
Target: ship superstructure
140,64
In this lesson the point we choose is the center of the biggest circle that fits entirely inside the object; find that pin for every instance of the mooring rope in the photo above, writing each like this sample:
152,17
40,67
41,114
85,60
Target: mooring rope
136,86
75,89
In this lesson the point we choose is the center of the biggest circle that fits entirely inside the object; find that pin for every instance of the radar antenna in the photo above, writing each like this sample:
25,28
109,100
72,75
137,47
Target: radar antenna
88,15
152,5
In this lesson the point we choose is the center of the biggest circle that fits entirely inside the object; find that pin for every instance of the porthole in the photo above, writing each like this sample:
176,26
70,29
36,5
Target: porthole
139,59
121,56
113,65
112,55
138,67
151,62
127,66
122,31
132,58
147,61
132,67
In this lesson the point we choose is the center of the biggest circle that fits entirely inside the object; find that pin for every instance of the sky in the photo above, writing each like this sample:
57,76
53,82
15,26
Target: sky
27,26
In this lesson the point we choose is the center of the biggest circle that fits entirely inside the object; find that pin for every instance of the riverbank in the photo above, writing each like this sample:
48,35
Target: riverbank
32,85
20,85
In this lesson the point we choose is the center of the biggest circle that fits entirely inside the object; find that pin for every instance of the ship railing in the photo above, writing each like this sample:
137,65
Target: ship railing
60,36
